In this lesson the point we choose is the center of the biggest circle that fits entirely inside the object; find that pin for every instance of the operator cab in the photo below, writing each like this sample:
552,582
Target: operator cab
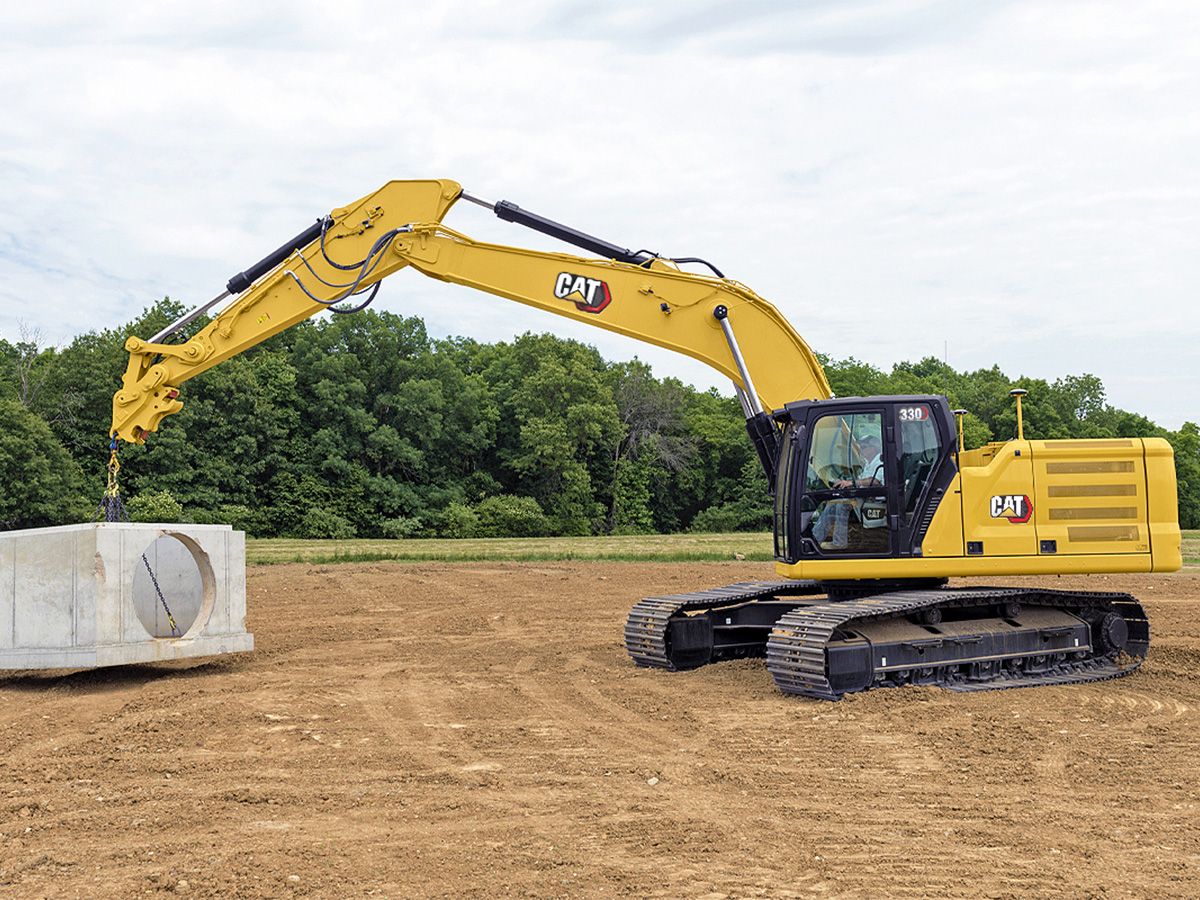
860,476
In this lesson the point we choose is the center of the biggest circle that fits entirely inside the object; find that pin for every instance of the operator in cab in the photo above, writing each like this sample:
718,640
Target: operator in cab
832,529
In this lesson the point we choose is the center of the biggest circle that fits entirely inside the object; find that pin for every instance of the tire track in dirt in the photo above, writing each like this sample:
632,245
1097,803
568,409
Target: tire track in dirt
332,753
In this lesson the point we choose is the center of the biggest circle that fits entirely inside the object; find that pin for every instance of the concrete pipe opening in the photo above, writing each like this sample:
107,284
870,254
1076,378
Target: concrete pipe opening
185,578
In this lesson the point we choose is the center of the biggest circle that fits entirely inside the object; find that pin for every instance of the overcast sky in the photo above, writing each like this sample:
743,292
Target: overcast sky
1001,182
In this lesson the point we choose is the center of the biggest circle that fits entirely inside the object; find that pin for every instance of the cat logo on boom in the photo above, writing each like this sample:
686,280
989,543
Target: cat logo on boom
1016,508
590,294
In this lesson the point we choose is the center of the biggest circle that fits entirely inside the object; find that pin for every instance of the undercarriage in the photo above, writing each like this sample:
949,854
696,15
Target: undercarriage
825,641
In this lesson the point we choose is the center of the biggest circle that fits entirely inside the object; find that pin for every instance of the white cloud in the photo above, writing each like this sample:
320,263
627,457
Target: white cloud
1020,184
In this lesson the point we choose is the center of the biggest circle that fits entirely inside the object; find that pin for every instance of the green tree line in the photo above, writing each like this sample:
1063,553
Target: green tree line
365,426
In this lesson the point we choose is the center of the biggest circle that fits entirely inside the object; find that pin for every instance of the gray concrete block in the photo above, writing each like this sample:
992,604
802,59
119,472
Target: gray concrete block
81,596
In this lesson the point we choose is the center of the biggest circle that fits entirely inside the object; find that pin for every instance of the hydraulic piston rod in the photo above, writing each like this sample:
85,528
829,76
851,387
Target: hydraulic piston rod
721,314
243,280
510,212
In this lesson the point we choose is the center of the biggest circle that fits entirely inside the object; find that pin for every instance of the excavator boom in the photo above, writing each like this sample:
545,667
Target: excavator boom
710,318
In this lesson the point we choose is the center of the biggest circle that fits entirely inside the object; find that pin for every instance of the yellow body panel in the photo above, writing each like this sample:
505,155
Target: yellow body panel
1162,495
945,534
964,566
1008,473
1091,495
1108,505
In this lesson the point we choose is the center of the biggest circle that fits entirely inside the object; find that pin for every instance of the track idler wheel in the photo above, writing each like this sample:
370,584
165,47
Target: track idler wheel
1112,632
690,642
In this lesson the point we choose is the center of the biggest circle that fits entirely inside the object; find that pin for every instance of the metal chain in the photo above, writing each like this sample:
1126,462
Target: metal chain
112,509
161,598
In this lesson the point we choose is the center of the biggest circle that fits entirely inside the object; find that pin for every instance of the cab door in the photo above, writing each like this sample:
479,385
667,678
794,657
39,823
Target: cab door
844,477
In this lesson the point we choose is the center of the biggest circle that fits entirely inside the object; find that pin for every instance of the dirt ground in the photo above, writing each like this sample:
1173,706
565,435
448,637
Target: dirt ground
477,730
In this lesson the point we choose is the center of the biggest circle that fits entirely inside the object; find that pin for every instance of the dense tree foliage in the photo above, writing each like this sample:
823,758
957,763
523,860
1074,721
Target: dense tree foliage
39,482
363,425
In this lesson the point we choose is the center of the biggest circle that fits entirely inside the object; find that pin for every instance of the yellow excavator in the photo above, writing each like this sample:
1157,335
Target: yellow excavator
876,501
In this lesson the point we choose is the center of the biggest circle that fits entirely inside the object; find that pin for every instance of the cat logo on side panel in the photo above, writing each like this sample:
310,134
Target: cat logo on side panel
1016,508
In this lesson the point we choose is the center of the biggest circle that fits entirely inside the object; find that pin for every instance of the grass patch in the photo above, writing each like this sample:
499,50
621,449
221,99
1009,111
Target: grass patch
1191,548
755,547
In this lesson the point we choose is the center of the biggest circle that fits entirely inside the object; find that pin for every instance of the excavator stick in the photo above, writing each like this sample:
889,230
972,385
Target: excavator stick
335,259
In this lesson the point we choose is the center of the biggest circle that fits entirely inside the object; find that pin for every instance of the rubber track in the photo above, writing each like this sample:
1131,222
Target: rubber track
797,646
646,627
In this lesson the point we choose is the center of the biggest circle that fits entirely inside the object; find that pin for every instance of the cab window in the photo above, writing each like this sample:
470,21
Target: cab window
920,448
844,509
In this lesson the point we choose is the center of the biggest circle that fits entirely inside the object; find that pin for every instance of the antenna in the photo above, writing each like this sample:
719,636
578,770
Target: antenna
959,414
1018,393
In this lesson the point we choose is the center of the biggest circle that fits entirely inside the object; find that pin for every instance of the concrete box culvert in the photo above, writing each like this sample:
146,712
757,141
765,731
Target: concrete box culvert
81,596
